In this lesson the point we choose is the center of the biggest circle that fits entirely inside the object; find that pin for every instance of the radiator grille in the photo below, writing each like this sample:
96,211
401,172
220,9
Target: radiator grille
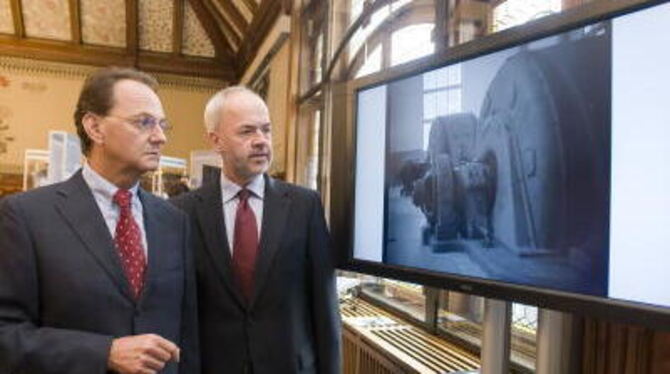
378,343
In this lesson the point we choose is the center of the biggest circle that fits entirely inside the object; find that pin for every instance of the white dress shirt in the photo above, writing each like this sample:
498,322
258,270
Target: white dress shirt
230,201
103,192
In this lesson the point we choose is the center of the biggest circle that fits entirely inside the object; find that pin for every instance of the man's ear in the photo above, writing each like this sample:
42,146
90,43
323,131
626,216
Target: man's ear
93,128
214,140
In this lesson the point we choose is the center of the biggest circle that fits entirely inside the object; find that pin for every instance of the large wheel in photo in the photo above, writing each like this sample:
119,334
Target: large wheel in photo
451,142
538,132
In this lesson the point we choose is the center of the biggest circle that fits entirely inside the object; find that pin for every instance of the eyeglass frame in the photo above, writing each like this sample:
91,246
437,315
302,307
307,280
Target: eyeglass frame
140,122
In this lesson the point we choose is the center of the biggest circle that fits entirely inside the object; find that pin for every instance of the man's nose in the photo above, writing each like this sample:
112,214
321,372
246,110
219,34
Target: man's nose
158,135
260,138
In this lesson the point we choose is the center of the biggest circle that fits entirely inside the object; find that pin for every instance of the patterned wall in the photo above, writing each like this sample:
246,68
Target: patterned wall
155,28
103,22
195,41
6,22
47,19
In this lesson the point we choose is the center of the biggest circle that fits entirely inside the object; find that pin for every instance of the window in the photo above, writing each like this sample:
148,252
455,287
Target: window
516,12
441,96
411,42
372,24
407,298
524,332
372,64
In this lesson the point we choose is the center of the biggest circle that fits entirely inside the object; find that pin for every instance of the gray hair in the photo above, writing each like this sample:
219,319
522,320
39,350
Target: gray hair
218,100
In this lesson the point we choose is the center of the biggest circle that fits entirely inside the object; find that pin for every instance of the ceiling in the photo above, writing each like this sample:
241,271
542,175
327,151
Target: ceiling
208,38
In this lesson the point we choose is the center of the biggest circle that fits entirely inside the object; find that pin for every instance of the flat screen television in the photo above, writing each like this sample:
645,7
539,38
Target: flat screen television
532,165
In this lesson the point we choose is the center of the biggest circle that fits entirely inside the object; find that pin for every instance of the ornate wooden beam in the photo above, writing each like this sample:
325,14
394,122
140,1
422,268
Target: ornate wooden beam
251,4
75,21
267,14
177,27
17,15
227,29
223,49
185,65
61,51
132,27
234,14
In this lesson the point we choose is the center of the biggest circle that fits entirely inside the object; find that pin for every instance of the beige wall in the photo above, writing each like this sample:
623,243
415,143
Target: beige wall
36,97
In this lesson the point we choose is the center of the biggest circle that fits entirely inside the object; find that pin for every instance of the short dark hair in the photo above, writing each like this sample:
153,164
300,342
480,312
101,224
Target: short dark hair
97,96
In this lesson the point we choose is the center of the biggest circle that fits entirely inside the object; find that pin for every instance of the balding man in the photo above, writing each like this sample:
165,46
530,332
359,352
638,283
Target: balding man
266,286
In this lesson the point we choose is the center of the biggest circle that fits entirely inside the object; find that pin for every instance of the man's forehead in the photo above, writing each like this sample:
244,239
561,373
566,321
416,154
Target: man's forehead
134,94
244,100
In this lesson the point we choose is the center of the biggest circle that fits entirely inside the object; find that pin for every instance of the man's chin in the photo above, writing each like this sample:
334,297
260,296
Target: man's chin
149,166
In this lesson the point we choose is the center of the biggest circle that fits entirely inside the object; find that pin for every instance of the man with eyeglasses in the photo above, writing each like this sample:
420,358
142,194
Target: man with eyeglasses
96,274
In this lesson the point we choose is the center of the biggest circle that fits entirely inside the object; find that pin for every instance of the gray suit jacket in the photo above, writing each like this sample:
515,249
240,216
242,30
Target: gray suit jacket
292,323
63,294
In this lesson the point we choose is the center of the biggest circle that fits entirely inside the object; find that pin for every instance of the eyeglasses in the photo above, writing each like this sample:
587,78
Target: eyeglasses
145,123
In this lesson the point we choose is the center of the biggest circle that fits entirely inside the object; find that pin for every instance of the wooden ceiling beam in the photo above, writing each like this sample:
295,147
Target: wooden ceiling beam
66,52
177,27
234,15
17,15
252,6
132,27
262,23
75,21
224,50
233,35
186,65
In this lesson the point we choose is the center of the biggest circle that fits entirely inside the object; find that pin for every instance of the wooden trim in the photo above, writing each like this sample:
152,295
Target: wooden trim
185,65
59,51
222,47
177,27
252,6
17,15
233,36
268,13
75,21
234,14
441,30
132,26
312,91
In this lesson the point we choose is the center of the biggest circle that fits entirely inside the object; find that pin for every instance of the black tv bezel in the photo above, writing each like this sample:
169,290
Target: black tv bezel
344,168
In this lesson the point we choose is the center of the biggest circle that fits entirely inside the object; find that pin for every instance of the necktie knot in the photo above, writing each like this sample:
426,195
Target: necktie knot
122,198
244,195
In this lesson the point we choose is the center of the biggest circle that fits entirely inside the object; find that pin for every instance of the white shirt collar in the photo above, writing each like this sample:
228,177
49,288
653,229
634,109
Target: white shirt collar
102,187
230,189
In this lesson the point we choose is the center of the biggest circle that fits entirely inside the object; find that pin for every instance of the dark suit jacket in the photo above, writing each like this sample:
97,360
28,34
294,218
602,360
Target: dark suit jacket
292,323
63,294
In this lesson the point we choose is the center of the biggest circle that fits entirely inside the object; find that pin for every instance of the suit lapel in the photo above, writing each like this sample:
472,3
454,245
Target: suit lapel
276,205
213,226
153,225
81,212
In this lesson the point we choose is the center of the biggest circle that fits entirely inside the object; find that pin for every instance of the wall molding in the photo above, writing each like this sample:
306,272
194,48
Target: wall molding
75,71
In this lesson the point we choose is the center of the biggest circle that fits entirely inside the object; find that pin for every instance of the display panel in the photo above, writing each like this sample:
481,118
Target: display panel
537,171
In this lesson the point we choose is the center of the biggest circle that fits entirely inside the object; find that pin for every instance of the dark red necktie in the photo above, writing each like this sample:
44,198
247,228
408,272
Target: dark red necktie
128,240
245,244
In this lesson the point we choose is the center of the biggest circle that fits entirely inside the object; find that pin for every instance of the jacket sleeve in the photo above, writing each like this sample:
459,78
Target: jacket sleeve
190,352
25,346
325,306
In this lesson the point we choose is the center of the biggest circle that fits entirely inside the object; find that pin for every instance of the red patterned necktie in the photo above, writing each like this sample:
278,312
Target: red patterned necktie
128,240
245,244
